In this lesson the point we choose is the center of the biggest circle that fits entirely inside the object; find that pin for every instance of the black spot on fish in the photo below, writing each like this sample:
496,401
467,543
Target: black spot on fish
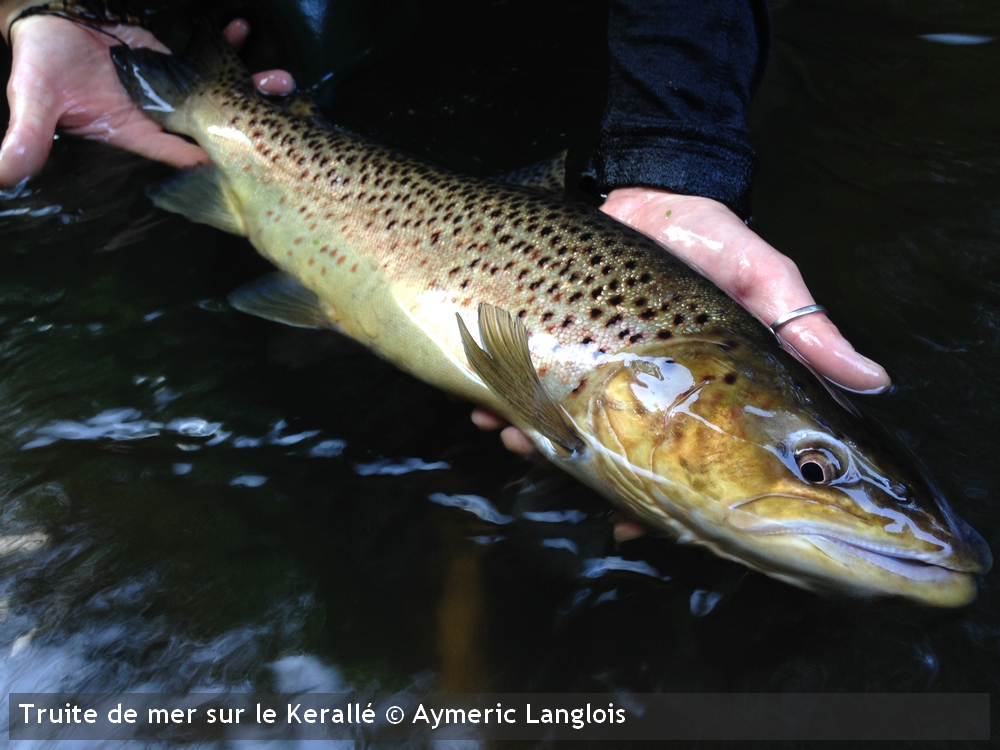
547,316
615,320
630,265
596,260
616,300
678,320
575,296
596,312
596,294
702,319
567,321
647,314
586,340
730,378
663,335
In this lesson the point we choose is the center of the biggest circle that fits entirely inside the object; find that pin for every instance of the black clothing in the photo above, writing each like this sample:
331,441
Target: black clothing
682,77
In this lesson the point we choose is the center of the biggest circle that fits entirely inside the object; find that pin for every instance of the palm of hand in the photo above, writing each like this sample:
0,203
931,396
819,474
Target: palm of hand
62,77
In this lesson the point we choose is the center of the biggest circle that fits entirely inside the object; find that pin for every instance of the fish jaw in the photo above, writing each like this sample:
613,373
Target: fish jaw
687,440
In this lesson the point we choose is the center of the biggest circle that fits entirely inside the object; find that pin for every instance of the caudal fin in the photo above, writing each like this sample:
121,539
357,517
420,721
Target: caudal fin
160,84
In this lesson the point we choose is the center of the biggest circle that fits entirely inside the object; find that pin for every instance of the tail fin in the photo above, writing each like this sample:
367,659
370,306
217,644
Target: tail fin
160,84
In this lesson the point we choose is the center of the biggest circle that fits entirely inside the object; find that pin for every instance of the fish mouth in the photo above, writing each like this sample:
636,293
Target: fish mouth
952,552
918,567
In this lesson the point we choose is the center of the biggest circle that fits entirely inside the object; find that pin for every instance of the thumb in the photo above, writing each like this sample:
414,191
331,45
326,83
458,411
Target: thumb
34,112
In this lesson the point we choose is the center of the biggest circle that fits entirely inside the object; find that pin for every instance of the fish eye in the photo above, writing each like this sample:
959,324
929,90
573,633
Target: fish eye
818,465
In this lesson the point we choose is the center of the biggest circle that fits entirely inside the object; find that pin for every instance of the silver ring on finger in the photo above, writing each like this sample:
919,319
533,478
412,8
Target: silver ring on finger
788,317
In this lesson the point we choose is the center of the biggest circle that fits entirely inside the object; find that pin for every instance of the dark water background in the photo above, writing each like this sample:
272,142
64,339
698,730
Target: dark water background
195,499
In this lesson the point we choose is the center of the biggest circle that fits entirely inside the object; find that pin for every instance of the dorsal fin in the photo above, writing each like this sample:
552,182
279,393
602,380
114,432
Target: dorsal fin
549,175
505,366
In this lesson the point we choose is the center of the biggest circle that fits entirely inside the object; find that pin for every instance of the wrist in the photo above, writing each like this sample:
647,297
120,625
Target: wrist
11,11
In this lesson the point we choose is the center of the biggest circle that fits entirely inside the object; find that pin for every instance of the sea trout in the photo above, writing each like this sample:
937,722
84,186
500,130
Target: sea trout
623,366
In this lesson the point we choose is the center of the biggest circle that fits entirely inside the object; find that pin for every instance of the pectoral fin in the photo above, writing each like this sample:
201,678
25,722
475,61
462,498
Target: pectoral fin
200,195
505,366
281,298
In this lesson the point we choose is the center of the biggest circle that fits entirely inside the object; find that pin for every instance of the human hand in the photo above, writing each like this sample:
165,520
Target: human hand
716,243
62,77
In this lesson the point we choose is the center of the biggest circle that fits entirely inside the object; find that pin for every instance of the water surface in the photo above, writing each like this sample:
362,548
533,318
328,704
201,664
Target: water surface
195,499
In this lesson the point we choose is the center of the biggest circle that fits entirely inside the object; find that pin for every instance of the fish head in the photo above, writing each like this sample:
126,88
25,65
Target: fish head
747,454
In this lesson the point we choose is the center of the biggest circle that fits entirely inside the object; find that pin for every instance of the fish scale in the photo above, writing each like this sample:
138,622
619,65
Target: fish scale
621,364
578,276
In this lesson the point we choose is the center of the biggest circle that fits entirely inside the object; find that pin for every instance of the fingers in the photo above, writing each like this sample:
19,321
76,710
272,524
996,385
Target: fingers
34,113
236,32
487,420
713,240
516,441
626,529
24,151
513,439
144,137
819,343
274,82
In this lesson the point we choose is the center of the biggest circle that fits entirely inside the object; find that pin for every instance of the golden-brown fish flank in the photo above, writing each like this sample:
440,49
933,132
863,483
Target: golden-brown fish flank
625,367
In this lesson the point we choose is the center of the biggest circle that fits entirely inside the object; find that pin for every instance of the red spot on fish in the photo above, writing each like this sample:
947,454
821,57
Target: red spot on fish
270,213
322,271
311,261
354,268
341,259
246,167
298,240
324,249
312,227
289,253
282,200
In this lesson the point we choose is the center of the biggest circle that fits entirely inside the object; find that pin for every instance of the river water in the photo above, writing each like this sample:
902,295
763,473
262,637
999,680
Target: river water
194,499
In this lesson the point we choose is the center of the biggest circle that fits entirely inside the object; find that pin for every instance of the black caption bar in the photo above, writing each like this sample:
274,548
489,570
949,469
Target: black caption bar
501,716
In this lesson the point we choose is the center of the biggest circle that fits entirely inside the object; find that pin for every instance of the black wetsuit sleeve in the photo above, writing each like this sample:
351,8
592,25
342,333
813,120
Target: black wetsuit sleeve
682,77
